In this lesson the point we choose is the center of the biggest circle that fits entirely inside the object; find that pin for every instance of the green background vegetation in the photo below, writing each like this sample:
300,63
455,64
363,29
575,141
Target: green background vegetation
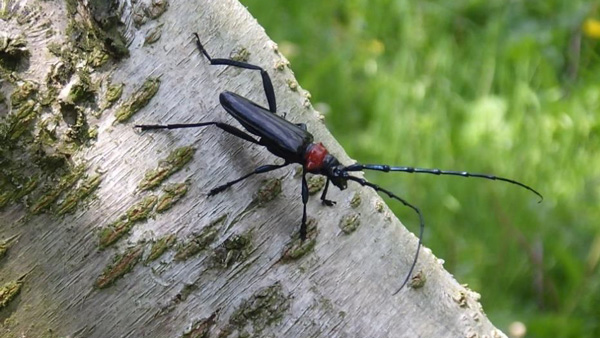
504,87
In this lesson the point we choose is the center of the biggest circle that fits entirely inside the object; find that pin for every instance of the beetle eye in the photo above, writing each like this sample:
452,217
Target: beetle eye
339,171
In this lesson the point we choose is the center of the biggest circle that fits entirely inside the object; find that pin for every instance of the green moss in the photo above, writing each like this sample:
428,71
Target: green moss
349,222
24,92
13,50
55,48
48,97
60,73
160,246
138,100
178,158
22,120
298,172
122,264
297,248
79,132
71,6
65,182
356,200
75,196
200,241
113,93
8,292
45,201
173,163
26,187
112,232
171,196
6,244
268,190
315,184
92,133
141,210
82,89
240,54
50,164
136,213
41,148
98,56
234,249
5,199
265,307
4,9
154,177
93,42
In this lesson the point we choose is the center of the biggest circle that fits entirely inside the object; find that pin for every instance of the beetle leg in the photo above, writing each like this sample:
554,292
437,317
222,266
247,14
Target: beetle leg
259,170
304,201
267,84
325,201
230,129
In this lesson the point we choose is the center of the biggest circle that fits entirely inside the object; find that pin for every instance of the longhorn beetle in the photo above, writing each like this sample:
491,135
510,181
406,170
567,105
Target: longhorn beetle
294,144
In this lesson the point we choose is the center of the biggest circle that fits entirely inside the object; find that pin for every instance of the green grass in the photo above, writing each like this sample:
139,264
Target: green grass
504,87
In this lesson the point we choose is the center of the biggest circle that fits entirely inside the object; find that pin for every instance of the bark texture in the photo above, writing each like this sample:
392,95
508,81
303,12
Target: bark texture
231,271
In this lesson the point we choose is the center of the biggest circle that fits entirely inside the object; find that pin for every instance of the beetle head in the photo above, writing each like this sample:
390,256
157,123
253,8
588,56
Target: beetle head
335,171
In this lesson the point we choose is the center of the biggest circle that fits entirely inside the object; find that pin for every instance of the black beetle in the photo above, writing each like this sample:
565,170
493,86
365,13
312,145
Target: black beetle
294,144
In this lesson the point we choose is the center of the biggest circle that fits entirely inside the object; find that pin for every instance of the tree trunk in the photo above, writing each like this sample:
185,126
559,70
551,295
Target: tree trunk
125,242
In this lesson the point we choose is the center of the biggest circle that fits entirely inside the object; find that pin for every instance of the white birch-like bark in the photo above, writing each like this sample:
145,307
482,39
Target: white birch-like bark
342,288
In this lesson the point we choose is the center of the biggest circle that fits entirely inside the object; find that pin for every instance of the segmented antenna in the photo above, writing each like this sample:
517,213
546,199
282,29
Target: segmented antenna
411,170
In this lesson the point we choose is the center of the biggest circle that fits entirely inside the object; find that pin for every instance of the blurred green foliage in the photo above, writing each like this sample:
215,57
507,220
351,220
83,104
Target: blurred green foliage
504,87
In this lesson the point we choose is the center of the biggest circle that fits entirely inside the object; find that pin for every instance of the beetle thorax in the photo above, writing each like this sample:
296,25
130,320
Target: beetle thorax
314,157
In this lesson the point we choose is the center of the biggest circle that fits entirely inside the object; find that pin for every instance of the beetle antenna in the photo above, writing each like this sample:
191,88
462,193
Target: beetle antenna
411,170
377,188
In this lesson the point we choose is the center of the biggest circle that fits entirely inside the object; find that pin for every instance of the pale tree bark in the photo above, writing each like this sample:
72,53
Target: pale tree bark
231,271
